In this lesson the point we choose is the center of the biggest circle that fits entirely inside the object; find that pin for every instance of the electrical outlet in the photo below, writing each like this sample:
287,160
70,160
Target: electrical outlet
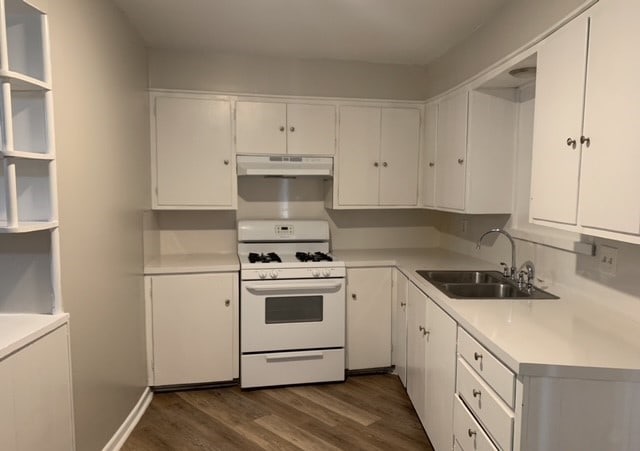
607,259
465,225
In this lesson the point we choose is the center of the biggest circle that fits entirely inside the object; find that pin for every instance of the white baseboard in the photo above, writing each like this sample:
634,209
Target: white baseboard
130,423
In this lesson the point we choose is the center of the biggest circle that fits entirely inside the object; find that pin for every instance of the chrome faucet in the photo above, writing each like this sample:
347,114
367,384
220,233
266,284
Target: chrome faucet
510,272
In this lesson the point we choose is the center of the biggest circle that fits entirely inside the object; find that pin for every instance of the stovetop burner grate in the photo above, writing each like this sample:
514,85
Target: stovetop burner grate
270,257
313,257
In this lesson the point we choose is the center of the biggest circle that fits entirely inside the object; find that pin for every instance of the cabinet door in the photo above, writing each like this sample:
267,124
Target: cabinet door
440,376
192,321
399,326
399,152
451,147
609,183
416,350
193,164
359,141
261,128
311,129
36,383
368,318
555,165
428,161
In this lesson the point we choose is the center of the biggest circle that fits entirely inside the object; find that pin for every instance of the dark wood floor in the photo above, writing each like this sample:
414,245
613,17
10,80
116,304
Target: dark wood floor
366,412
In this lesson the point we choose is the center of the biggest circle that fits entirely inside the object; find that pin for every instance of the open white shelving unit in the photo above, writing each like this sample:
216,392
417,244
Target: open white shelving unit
28,197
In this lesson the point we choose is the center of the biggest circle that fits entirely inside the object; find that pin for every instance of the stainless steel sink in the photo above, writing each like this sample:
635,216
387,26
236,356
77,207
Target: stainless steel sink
462,276
480,285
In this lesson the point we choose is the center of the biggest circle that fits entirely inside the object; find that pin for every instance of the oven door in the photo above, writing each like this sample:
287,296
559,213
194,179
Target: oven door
282,315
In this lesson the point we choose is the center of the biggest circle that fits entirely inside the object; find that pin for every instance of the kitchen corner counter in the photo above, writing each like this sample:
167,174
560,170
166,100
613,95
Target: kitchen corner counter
192,263
19,329
573,337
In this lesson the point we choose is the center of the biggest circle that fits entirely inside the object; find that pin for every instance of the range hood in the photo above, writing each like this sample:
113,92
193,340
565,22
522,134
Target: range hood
284,165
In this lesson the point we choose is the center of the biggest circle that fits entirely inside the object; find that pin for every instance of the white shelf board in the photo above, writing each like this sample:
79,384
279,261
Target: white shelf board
21,82
27,155
28,226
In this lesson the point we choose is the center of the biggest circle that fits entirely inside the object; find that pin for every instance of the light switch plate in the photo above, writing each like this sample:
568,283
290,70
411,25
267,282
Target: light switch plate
607,259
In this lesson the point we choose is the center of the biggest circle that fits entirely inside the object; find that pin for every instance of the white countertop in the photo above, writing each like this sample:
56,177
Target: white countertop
569,337
19,329
192,263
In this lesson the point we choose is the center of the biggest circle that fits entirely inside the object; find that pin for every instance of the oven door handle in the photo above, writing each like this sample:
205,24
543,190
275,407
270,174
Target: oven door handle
288,356
283,288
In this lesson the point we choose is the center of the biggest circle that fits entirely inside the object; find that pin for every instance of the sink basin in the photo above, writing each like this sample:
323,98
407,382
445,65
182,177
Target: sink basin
484,290
480,285
462,276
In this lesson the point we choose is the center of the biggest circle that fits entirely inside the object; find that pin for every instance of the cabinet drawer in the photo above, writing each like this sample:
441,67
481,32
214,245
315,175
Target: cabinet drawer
498,376
284,368
468,433
490,410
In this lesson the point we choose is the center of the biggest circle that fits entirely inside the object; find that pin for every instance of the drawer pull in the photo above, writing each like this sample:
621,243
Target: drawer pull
476,393
471,433
477,356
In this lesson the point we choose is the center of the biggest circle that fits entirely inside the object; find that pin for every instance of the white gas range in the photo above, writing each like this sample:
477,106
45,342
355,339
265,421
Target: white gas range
292,304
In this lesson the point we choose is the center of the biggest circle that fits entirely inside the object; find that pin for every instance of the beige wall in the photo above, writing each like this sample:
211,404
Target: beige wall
284,76
101,123
517,24
177,232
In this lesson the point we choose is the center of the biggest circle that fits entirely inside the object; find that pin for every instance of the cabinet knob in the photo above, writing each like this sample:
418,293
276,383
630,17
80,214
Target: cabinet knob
402,304
431,164
226,162
376,164
385,164
476,393
282,128
471,433
460,160
571,142
477,356
584,139
353,296
292,129
420,328
227,303
425,332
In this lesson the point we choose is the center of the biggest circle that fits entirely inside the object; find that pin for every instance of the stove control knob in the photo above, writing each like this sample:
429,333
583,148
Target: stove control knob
273,274
315,273
326,272
262,275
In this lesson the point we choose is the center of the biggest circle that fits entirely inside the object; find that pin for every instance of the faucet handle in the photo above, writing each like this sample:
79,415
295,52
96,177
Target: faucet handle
505,269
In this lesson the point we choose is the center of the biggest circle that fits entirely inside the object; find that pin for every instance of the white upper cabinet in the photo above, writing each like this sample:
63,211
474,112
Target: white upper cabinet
378,147
428,161
281,128
399,147
451,145
469,150
609,185
585,154
358,165
558,124
192,162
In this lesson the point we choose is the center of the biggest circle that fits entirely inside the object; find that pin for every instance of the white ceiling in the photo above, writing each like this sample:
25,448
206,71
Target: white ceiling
381,31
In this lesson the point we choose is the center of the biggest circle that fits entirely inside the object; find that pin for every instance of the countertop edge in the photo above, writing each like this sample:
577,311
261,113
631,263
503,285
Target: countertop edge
38,326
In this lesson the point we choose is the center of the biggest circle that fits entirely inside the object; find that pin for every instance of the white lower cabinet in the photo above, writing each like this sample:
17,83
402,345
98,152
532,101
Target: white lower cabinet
35,396
431,350
192,333
399,325
416,349
368,318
